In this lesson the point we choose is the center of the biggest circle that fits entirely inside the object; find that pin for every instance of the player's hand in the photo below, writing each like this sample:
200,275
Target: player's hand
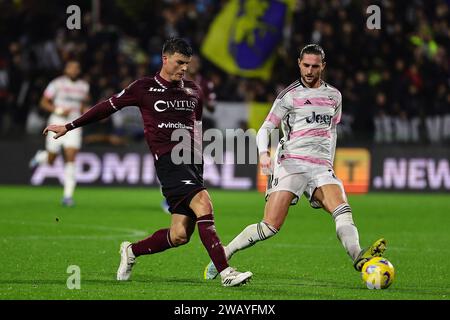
59,130
265,163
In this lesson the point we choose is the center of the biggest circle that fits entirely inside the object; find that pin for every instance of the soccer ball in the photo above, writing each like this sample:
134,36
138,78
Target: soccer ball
378,273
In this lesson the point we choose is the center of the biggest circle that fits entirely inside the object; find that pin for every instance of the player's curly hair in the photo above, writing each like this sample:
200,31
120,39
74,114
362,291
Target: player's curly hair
312,49
174,45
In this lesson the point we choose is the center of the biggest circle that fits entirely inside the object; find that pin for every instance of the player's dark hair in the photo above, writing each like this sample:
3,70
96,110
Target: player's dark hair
312,49
174,45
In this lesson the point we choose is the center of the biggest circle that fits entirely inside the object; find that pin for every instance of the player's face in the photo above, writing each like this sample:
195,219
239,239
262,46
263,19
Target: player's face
72,69
311,67
175,66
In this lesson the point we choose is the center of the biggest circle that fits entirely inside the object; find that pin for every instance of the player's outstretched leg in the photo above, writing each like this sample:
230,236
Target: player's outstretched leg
201,204
346,230
347,233
333,199
375,250
230,276
247,238
275,213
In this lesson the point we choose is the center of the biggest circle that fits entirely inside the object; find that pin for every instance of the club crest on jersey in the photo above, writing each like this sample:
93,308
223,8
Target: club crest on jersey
319,118
189,91
331,98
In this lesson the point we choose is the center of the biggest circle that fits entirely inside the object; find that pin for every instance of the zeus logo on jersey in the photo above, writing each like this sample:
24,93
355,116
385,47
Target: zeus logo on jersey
179,105
156,90
319,118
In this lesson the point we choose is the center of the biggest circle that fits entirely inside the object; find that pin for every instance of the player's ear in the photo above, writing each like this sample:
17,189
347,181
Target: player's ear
298,61
323,65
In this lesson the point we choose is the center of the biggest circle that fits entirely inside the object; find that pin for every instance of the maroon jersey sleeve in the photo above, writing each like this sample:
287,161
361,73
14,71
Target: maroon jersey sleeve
128,97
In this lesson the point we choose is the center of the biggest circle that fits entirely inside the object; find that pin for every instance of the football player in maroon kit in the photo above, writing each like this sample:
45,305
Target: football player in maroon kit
168,102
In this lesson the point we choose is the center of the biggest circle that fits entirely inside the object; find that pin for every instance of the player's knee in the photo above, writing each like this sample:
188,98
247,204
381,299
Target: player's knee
203,207
179,237
180,240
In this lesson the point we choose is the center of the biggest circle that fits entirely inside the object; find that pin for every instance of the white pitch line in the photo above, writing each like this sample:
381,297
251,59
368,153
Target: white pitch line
124,232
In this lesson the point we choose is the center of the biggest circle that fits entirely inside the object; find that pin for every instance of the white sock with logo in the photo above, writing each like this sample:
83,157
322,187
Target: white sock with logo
69,179
249,236
346,230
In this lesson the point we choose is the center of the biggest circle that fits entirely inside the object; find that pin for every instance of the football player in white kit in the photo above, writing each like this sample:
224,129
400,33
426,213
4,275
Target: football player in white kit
308,111
66,98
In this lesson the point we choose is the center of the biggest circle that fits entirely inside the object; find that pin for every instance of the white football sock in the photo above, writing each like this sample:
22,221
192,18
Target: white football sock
249,236
346,230
69,179
41,157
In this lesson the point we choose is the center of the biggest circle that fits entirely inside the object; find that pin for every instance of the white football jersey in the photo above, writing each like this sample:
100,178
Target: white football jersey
308,118
67,94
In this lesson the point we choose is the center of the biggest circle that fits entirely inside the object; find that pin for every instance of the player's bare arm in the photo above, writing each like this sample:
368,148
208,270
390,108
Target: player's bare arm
265,162
262,141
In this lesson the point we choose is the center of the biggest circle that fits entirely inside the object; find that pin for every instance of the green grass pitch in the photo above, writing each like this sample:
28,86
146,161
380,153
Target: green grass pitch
304,261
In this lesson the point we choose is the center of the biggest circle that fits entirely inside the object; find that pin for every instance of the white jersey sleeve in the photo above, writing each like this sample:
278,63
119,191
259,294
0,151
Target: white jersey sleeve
336,120
50,91
279,110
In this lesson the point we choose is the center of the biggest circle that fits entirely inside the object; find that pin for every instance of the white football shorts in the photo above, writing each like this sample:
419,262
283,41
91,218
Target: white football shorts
71,139
302,179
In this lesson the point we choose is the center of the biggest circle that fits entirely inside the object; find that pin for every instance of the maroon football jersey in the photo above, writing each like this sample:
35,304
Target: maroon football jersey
165,106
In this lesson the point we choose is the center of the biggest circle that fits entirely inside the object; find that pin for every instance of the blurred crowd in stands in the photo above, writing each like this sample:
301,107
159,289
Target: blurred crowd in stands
395,81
